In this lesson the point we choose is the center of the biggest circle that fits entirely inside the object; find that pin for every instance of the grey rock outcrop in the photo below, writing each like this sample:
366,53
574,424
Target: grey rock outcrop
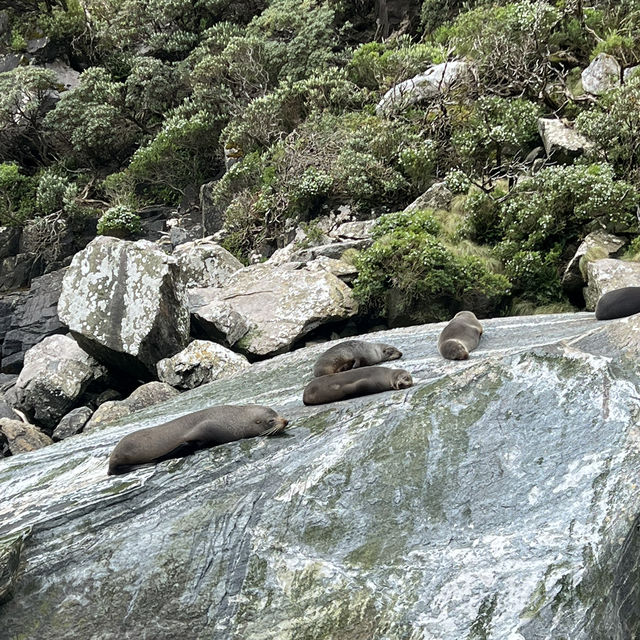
354,230
281,305
55,374
201,362
216,318
33,318
126,304
437,196
599,244
561,142
335,250
19,437
144,396
9,241
205,263
602,75
72,423
495,499
435,81
606,275
67,78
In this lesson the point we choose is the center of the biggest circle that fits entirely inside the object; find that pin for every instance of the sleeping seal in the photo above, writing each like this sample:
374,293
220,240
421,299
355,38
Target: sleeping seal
193,431
618,303
352,354
355,382
460,336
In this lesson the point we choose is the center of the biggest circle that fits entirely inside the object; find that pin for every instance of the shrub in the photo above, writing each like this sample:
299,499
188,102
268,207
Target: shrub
118,221
510,45
536,275
613,125
425,274
17,195
495,131
24,101
55,193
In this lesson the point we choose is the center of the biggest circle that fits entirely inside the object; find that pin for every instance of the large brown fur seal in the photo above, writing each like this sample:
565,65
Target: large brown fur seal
460,336
352,354
188,433
618,303
355,382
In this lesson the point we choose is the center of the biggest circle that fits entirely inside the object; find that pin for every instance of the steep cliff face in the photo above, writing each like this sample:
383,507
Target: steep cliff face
496,499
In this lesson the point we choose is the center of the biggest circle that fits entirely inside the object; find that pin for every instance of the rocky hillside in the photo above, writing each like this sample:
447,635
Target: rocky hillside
497,498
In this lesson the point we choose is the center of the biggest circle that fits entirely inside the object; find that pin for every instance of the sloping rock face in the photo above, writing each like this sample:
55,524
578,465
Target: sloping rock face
205,263
495,499
126,304
562,143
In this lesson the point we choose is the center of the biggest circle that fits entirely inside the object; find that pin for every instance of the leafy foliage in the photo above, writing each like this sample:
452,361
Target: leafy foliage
119,221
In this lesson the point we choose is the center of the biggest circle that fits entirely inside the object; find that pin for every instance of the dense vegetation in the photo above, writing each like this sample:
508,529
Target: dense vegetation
289,87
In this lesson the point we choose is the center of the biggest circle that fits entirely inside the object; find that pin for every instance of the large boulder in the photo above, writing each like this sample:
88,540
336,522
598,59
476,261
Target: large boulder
201,362
281,305
435,81
561,142
215,318
9,241
495,499
602,75
437,196
126,304
606,275
56,372
144,396
19,437
72,423
205,263
34,317
597,244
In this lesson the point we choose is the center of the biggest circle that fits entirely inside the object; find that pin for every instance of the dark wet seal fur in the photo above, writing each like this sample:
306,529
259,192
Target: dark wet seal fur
355,382
199,430
618,303
352,354
460,336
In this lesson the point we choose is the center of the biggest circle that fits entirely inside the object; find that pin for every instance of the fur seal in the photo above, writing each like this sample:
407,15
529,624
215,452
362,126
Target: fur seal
460,336
618,303
199,430
355,382
352,354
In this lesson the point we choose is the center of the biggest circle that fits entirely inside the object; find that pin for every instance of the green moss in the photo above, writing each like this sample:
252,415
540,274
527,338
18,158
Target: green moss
481,626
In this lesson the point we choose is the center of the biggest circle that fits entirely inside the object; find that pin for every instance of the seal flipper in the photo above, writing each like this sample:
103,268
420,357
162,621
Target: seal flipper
182,450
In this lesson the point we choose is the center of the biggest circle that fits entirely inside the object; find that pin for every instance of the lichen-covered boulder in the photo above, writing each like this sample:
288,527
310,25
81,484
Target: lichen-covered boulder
205,263
561,142
435,81
596,245
281,305
72,423
19,437
354,230
55,374
497,499
606,275
144,396
126,304
201,362
334,251
601,75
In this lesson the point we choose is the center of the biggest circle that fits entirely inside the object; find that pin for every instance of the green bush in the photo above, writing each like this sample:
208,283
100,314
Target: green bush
55,193
379,65
426,275
613,125
535,275
495,131
119,221
17,195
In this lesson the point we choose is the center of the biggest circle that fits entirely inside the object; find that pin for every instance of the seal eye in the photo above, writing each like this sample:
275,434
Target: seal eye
258,421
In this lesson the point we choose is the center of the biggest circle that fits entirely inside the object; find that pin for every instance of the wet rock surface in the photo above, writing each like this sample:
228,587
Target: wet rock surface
495,499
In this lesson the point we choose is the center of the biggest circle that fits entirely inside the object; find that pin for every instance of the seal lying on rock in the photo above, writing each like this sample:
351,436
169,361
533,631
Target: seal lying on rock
356,382
352,354
618,303
460,336
188,433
